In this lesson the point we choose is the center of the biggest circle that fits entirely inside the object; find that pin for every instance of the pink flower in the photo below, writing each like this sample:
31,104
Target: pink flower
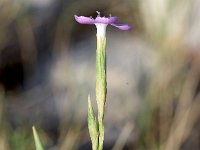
102,21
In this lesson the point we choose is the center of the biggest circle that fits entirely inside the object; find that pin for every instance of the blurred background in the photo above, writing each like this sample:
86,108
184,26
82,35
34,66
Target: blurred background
47,69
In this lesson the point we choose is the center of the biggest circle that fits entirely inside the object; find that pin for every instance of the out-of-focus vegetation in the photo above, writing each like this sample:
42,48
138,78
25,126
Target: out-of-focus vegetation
38,143
47,69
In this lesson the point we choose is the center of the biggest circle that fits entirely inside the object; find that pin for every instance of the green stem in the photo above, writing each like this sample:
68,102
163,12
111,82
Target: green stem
93,126
101,135
101,86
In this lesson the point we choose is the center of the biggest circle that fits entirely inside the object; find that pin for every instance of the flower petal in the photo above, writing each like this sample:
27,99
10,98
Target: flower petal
106,20
84,20
122,26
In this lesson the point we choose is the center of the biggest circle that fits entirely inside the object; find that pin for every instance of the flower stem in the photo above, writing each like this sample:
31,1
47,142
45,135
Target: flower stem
96,126
101,86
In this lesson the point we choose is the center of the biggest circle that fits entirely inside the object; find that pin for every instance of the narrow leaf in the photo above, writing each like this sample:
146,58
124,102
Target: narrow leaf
38,143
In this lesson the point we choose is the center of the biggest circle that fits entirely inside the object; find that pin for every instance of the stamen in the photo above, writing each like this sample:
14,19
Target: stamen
98,13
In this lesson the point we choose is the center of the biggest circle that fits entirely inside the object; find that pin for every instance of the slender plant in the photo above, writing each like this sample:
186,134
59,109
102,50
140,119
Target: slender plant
96,126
